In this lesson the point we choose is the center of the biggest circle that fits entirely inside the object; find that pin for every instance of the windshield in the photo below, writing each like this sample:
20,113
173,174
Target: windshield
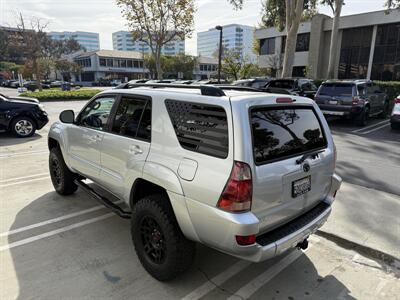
279,133
336,89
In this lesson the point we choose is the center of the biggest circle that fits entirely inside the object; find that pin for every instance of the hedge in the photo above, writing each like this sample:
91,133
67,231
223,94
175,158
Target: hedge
48,95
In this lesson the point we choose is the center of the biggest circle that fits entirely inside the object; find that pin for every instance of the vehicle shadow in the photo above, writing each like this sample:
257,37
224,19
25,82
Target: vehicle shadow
8,139
97,261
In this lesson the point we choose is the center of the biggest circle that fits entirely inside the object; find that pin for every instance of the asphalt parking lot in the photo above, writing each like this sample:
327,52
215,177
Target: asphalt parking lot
54,247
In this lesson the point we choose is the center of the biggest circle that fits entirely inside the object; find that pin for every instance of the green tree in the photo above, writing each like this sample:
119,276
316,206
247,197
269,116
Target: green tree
66,67
181,63
156,23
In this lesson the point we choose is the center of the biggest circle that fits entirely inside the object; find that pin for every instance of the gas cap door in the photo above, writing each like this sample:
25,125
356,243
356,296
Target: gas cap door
187,169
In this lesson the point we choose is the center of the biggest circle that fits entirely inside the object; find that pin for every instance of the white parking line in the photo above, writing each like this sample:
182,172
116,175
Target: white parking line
370,126
6,155
375,129
50,221
54,232
217,280
253,286
25,181
23,177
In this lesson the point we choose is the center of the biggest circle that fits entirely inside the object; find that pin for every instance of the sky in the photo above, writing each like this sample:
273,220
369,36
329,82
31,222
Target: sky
104,16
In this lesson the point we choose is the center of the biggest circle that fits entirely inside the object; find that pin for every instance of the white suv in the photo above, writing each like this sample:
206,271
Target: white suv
248,173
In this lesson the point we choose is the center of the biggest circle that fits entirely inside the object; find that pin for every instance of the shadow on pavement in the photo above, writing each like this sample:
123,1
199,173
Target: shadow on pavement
97,261
8,139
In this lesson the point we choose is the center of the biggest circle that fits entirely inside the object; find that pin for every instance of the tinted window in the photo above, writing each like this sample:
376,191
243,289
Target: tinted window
199,127
282,84
267,46
284,132
97,113
332,89
144,131
128,116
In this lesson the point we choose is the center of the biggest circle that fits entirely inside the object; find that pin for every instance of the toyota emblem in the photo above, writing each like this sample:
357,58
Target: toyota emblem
306,168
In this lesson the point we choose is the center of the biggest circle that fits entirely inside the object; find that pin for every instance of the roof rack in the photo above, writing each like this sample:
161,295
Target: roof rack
206,90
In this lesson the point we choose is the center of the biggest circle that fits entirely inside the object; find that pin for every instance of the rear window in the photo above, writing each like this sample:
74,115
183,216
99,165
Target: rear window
282,84
332,89
280,133
200,128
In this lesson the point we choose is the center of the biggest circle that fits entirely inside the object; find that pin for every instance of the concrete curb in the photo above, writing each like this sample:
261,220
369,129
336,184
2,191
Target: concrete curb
361,249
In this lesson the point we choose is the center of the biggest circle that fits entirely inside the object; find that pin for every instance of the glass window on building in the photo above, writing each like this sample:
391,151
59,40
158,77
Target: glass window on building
103,62
386,63
354,54
267,46
302,43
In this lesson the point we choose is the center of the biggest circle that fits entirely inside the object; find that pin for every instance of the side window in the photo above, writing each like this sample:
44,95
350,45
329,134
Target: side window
199,127
129,115
97,113
362,90
306,86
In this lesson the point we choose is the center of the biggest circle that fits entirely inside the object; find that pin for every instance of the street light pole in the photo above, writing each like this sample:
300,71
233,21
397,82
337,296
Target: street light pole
220,52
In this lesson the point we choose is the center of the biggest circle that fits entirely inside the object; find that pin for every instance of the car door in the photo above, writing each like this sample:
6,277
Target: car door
126,145
86,135
373,99
380,97
3,114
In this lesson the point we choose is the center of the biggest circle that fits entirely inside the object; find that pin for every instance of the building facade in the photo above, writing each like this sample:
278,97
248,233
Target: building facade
234,37
109,64
369,47
123,41
206,68
89,40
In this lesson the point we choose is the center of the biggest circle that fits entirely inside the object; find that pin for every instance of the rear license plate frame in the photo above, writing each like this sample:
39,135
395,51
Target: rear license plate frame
301,186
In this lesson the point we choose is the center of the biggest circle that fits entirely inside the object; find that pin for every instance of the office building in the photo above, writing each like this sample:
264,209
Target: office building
89,40
234,37
369,47
123,41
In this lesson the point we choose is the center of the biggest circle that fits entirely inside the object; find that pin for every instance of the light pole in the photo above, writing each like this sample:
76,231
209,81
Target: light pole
220,52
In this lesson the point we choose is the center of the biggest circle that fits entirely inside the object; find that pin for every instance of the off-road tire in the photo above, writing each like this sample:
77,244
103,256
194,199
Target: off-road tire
28,121
61,177
363,118
178,252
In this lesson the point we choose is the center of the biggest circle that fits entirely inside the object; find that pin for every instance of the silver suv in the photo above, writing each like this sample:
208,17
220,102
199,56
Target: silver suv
248,173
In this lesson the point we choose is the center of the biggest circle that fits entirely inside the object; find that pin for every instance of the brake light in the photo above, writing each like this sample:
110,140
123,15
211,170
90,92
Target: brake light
356,99
238,191
246,240
397,100
284,100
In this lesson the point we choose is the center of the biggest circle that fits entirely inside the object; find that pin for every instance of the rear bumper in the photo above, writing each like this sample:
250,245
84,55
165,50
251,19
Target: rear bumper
341,110
218,229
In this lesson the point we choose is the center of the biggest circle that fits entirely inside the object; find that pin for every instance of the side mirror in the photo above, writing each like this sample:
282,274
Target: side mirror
67,116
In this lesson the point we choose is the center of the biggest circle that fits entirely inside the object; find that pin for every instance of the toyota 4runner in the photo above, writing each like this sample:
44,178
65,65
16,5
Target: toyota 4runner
248,173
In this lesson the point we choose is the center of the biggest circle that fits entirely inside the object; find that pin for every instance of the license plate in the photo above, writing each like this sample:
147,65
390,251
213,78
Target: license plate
301,186
333,102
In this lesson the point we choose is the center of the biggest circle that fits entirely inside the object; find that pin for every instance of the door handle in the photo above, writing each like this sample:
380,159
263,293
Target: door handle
95,138
135,149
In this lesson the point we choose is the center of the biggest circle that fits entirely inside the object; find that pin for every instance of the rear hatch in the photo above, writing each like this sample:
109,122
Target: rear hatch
335,96
283,187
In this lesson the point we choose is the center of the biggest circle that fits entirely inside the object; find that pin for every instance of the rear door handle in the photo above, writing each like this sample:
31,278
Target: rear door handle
95,138
135,149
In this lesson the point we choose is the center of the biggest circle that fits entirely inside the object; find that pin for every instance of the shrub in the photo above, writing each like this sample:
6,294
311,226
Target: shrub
391,88
56,94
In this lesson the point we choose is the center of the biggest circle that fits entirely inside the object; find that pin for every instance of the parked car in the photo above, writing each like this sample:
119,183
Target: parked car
31,85
210,81
395,116
293,86
249,174
256,83
21,115
354,99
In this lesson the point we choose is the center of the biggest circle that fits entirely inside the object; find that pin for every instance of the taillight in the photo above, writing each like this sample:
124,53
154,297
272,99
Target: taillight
356,99
246,240
397,101
238,191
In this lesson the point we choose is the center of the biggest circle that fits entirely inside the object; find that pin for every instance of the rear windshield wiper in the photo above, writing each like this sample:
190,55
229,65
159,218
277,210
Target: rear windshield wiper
313,154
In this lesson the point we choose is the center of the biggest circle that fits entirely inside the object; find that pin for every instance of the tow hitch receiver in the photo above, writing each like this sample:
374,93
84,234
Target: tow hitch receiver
103,200
303,245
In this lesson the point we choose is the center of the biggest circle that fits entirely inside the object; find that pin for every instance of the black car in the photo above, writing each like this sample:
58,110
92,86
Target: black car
256,83
21,116
357,100
395,116
293,86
